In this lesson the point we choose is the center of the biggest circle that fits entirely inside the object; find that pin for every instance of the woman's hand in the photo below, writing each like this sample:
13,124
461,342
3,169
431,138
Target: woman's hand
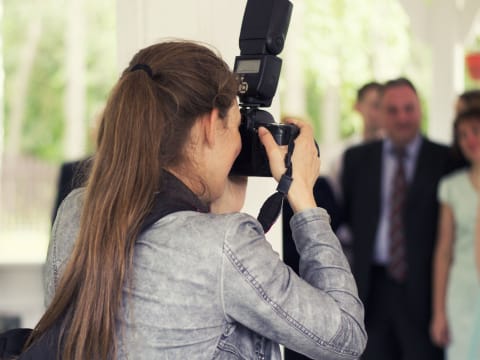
305,164
439,330
233,197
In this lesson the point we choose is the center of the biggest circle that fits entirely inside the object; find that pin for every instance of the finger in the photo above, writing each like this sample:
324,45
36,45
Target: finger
302,125
293,121
266,139
273,150
275,153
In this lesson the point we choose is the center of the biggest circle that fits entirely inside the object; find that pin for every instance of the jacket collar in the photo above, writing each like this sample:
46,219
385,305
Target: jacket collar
174,196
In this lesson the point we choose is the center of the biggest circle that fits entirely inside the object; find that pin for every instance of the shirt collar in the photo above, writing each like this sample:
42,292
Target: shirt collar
411,149
174,188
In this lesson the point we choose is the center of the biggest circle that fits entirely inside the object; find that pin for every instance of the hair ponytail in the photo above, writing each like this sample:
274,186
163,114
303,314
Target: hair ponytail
144,128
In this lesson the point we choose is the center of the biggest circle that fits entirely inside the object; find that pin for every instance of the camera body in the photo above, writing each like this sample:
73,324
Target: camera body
253,160
262,37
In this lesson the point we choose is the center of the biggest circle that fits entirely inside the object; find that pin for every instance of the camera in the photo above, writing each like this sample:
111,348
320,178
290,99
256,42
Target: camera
262,37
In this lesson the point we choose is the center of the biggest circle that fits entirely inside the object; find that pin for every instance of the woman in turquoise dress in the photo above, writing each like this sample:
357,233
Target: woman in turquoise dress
456,296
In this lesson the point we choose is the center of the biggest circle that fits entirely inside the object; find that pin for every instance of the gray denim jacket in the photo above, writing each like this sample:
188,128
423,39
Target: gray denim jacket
209,286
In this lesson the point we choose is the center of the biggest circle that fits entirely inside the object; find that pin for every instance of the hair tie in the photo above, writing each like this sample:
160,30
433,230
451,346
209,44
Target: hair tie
143,67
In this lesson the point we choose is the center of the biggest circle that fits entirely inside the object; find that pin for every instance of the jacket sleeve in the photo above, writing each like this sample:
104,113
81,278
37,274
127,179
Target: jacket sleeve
62,241
318,314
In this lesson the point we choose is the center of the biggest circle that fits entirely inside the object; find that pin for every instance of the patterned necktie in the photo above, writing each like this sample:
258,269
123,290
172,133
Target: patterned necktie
397,267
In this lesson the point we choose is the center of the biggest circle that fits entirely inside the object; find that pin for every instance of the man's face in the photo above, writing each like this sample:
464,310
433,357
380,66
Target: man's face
369,108
401,114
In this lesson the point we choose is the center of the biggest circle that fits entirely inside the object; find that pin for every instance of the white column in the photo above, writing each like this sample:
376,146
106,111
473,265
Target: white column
331,147
443,92
144,22
293,85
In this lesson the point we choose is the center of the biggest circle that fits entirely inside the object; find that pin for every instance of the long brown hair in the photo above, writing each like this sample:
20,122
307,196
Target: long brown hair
145,128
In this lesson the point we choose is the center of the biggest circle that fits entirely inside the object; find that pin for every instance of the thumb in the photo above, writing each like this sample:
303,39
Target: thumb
275,153
266,139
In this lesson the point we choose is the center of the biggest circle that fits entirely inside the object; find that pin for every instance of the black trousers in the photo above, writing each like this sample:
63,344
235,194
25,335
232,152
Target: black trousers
392,333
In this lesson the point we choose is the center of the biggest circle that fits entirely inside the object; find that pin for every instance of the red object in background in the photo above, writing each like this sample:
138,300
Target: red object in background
473,65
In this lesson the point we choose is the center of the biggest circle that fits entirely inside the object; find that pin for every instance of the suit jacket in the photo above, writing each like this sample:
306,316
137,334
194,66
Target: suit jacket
324,198
72,175
361,183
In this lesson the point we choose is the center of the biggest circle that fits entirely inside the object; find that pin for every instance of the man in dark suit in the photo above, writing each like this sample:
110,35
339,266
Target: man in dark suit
394,276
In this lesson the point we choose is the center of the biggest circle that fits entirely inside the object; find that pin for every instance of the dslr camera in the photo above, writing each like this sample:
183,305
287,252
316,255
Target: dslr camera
262,37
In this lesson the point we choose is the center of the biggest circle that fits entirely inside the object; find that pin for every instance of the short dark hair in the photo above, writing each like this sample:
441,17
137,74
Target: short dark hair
472,114
372,85
471,98
468,115
401,81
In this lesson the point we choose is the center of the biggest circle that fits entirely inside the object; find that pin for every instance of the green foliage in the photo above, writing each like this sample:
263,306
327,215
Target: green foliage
44,117
43,124
313,96
348,43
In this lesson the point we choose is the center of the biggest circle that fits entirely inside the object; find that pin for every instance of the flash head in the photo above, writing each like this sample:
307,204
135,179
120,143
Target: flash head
264,27
262,37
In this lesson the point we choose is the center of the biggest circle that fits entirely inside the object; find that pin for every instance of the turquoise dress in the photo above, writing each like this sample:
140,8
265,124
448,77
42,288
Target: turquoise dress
463,290
475,340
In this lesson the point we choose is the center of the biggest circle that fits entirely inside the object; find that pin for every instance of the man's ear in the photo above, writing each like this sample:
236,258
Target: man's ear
209,122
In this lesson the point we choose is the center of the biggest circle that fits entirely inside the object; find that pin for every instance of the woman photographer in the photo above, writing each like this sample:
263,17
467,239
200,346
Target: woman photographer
202,282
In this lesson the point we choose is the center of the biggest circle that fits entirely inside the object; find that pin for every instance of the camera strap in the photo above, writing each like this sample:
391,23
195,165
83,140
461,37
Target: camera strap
271,208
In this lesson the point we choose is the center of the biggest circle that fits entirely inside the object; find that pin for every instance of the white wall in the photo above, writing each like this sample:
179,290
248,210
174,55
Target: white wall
143,22
22,292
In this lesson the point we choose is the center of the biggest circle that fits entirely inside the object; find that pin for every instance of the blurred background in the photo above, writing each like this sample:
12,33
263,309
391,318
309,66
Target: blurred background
59,59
